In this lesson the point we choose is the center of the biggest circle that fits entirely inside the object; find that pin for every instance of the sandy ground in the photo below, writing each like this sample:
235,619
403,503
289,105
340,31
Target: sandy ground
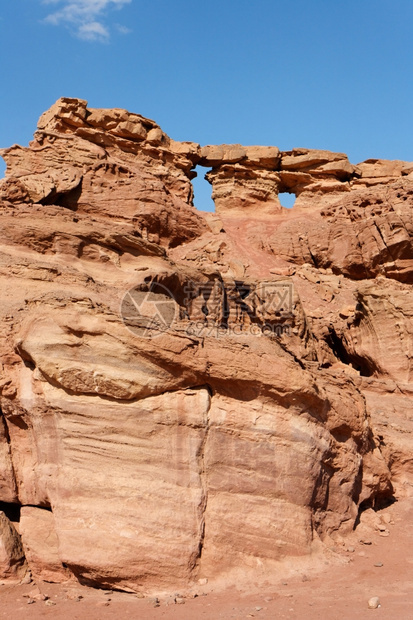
339,590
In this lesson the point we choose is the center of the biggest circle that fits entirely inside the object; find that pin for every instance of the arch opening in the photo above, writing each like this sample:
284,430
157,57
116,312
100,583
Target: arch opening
202,190
287,199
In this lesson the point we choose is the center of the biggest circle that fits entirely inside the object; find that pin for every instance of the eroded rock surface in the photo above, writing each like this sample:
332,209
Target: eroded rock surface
187,393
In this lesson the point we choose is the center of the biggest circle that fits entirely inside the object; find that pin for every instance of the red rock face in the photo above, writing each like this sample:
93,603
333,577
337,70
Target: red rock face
186,393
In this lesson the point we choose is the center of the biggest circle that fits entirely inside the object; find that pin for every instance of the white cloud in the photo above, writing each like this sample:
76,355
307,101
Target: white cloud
93,31
87,17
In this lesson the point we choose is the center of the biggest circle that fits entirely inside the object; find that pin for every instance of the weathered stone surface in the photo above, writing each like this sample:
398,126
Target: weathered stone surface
253,423
41,545
109,172
7,480
12,562
221,154
380,171
238,188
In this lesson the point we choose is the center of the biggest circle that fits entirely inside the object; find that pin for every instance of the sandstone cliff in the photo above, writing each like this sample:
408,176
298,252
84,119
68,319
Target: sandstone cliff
185,393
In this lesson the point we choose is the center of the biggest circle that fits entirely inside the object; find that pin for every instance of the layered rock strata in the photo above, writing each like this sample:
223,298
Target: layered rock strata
184,393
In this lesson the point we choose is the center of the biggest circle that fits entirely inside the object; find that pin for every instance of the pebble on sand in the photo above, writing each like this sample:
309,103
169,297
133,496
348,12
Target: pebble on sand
373,602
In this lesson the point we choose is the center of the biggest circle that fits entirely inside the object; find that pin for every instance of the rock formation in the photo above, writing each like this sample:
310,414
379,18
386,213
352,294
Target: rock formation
186,393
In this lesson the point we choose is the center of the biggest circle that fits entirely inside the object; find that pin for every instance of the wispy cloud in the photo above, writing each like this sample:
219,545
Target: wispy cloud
123,29
86,17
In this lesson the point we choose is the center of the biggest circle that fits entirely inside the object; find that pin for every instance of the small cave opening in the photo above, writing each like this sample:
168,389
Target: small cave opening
12,511
377,503
68,200
363,365
202,190
287,199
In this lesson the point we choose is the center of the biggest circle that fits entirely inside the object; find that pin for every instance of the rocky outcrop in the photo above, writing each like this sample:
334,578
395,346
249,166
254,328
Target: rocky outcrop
184,393
13,565
117,165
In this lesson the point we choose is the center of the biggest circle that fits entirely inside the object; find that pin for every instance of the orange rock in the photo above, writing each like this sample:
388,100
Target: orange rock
41,545
12,561
193,393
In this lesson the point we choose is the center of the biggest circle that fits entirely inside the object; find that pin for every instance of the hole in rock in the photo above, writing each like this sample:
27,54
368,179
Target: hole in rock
287,199
380,502
202,191
12,511
69,200
29,364
364,366
2,168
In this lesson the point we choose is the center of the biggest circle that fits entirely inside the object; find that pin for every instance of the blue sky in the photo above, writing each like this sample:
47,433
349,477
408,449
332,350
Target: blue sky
321,74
